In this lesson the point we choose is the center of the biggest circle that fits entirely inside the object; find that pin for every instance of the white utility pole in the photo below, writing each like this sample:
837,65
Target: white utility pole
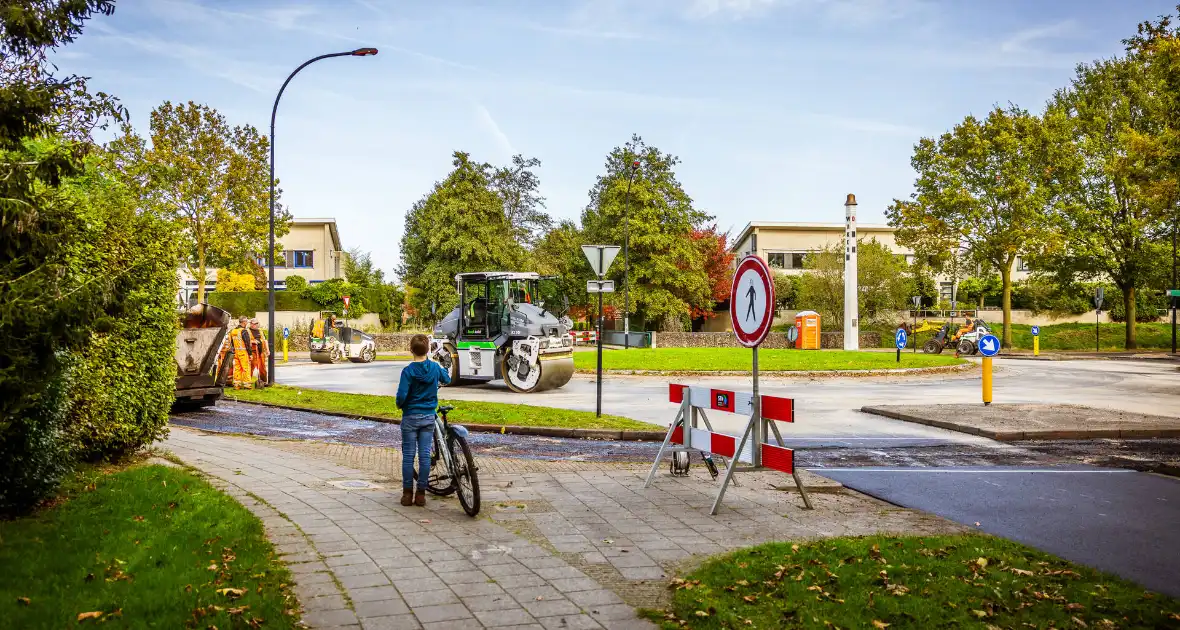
851,293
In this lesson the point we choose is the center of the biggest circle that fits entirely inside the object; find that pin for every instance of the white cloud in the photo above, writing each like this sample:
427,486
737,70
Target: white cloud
493,128
1025,40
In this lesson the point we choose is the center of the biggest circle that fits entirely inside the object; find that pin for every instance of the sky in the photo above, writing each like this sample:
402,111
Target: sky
776,108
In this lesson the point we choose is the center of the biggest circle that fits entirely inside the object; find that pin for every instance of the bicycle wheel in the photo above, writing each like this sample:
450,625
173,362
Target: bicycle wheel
466,479
441,482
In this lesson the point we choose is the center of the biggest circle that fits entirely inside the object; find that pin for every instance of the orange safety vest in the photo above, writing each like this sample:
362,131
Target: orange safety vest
235,336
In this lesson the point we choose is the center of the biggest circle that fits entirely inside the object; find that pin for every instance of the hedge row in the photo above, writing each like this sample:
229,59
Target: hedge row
250,302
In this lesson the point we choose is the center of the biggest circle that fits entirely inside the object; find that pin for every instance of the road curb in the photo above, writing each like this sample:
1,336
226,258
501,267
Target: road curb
922,371
1012,436
619,435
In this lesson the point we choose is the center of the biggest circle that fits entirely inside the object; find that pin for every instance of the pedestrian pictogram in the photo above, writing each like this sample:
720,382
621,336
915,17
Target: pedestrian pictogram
751,301
989,345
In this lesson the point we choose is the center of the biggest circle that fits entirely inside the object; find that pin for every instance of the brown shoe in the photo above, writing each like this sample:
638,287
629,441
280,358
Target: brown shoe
420,498
407,497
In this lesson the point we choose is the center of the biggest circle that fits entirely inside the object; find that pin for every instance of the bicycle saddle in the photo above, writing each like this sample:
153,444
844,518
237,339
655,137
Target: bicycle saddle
445,408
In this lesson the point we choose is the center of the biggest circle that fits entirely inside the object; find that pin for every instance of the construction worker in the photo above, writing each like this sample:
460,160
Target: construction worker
261,352
239,339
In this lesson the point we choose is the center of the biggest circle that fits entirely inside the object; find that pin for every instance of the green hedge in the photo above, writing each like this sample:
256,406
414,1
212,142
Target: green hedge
250,302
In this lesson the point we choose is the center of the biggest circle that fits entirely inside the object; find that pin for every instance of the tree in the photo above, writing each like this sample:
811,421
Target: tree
786,291
53,288
519,190
559,253
717,265
982,187
229,281
668,277
459,227
210,179
880,275
1117,194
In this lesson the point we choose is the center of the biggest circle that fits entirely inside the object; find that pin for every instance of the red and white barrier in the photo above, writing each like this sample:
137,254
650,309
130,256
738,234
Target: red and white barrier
584,336
750,447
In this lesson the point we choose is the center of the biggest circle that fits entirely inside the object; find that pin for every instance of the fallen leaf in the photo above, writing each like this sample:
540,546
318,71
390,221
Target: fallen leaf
138,519
979,613
750,598
540,597
232,593
1019,571
95,614
1074,607
982,562
794,547
1079,622
815,588
742,583
23,601
701,613
880,625
608,541
237,611
424,520
743,565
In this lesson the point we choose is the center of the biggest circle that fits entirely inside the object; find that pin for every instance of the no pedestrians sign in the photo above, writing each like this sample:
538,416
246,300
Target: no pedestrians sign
751,301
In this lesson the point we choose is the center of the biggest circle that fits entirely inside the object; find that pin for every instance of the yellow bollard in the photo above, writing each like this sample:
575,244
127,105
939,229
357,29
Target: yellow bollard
1037,346
987,380
284,349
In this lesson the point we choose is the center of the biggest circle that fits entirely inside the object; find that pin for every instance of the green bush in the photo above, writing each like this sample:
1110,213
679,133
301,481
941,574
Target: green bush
250,302
329,296
296,283
125,379
34,451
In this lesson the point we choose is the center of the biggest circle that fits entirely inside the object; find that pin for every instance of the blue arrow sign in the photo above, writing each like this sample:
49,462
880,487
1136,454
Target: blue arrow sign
900,338
286,332
1036,330
989,345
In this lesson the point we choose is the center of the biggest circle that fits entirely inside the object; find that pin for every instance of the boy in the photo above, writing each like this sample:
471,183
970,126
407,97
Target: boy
417,397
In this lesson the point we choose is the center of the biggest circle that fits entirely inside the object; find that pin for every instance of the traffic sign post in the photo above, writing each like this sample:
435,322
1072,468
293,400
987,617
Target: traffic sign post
600,258
989,346
1036,333
751,310
899,339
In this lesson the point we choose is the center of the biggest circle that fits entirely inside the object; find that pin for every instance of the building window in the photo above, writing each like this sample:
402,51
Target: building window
302,259
1021,265
946,291
785,260
909,259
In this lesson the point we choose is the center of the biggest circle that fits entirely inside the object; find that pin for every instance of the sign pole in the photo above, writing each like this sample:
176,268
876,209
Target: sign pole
598,403
987,381
759,422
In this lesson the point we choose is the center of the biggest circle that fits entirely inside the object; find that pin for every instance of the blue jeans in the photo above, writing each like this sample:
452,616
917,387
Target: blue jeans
417,438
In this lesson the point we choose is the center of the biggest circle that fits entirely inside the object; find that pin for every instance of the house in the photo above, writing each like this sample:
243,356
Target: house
310,249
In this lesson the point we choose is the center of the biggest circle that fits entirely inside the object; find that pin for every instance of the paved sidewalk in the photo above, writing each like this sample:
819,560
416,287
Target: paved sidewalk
558,549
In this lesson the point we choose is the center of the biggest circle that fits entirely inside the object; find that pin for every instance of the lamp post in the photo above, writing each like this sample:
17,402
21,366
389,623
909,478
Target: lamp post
270,255
627,259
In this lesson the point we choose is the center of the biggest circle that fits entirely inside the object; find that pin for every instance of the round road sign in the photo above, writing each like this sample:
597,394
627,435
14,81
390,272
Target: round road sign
899,338
989,345
751,301
286,332
1036,330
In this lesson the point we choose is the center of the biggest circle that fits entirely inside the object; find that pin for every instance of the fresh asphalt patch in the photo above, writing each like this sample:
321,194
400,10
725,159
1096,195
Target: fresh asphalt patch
1119,521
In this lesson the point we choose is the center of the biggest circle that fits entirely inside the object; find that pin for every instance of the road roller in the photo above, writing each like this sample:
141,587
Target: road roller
502,330
330,342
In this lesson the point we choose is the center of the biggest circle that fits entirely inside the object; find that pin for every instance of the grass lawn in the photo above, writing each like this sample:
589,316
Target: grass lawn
1065,337
466,411
718,359
148,546
970,581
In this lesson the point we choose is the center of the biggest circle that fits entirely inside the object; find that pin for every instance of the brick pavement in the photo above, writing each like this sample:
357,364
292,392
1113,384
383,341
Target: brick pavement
555,546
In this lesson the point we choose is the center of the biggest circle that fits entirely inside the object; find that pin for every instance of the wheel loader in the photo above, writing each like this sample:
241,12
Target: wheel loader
502,330
964,339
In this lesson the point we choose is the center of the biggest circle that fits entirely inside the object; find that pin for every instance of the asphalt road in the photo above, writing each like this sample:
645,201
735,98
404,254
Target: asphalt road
1119,521
827,409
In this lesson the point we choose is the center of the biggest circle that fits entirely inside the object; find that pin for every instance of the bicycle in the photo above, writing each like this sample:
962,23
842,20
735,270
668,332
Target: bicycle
457,471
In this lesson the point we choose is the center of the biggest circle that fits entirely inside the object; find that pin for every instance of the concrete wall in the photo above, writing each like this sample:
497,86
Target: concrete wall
774,340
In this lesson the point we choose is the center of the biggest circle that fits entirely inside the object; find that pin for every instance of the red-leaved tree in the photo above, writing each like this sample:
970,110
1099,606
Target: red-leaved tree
718,260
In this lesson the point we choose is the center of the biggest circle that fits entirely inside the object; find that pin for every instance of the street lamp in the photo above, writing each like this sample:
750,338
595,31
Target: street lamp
270,334
627,259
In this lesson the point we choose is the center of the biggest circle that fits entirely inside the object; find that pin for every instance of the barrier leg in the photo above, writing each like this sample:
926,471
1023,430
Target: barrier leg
663,447
709,426
729,471
794,475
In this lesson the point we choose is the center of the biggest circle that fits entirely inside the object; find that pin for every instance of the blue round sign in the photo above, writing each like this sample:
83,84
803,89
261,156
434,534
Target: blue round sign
989,345
900,338
1036,330
286,332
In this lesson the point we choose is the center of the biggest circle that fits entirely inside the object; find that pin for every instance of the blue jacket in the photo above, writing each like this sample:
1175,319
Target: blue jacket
417,390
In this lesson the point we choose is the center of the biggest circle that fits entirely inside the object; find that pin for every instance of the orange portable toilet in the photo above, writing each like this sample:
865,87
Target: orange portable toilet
807,325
